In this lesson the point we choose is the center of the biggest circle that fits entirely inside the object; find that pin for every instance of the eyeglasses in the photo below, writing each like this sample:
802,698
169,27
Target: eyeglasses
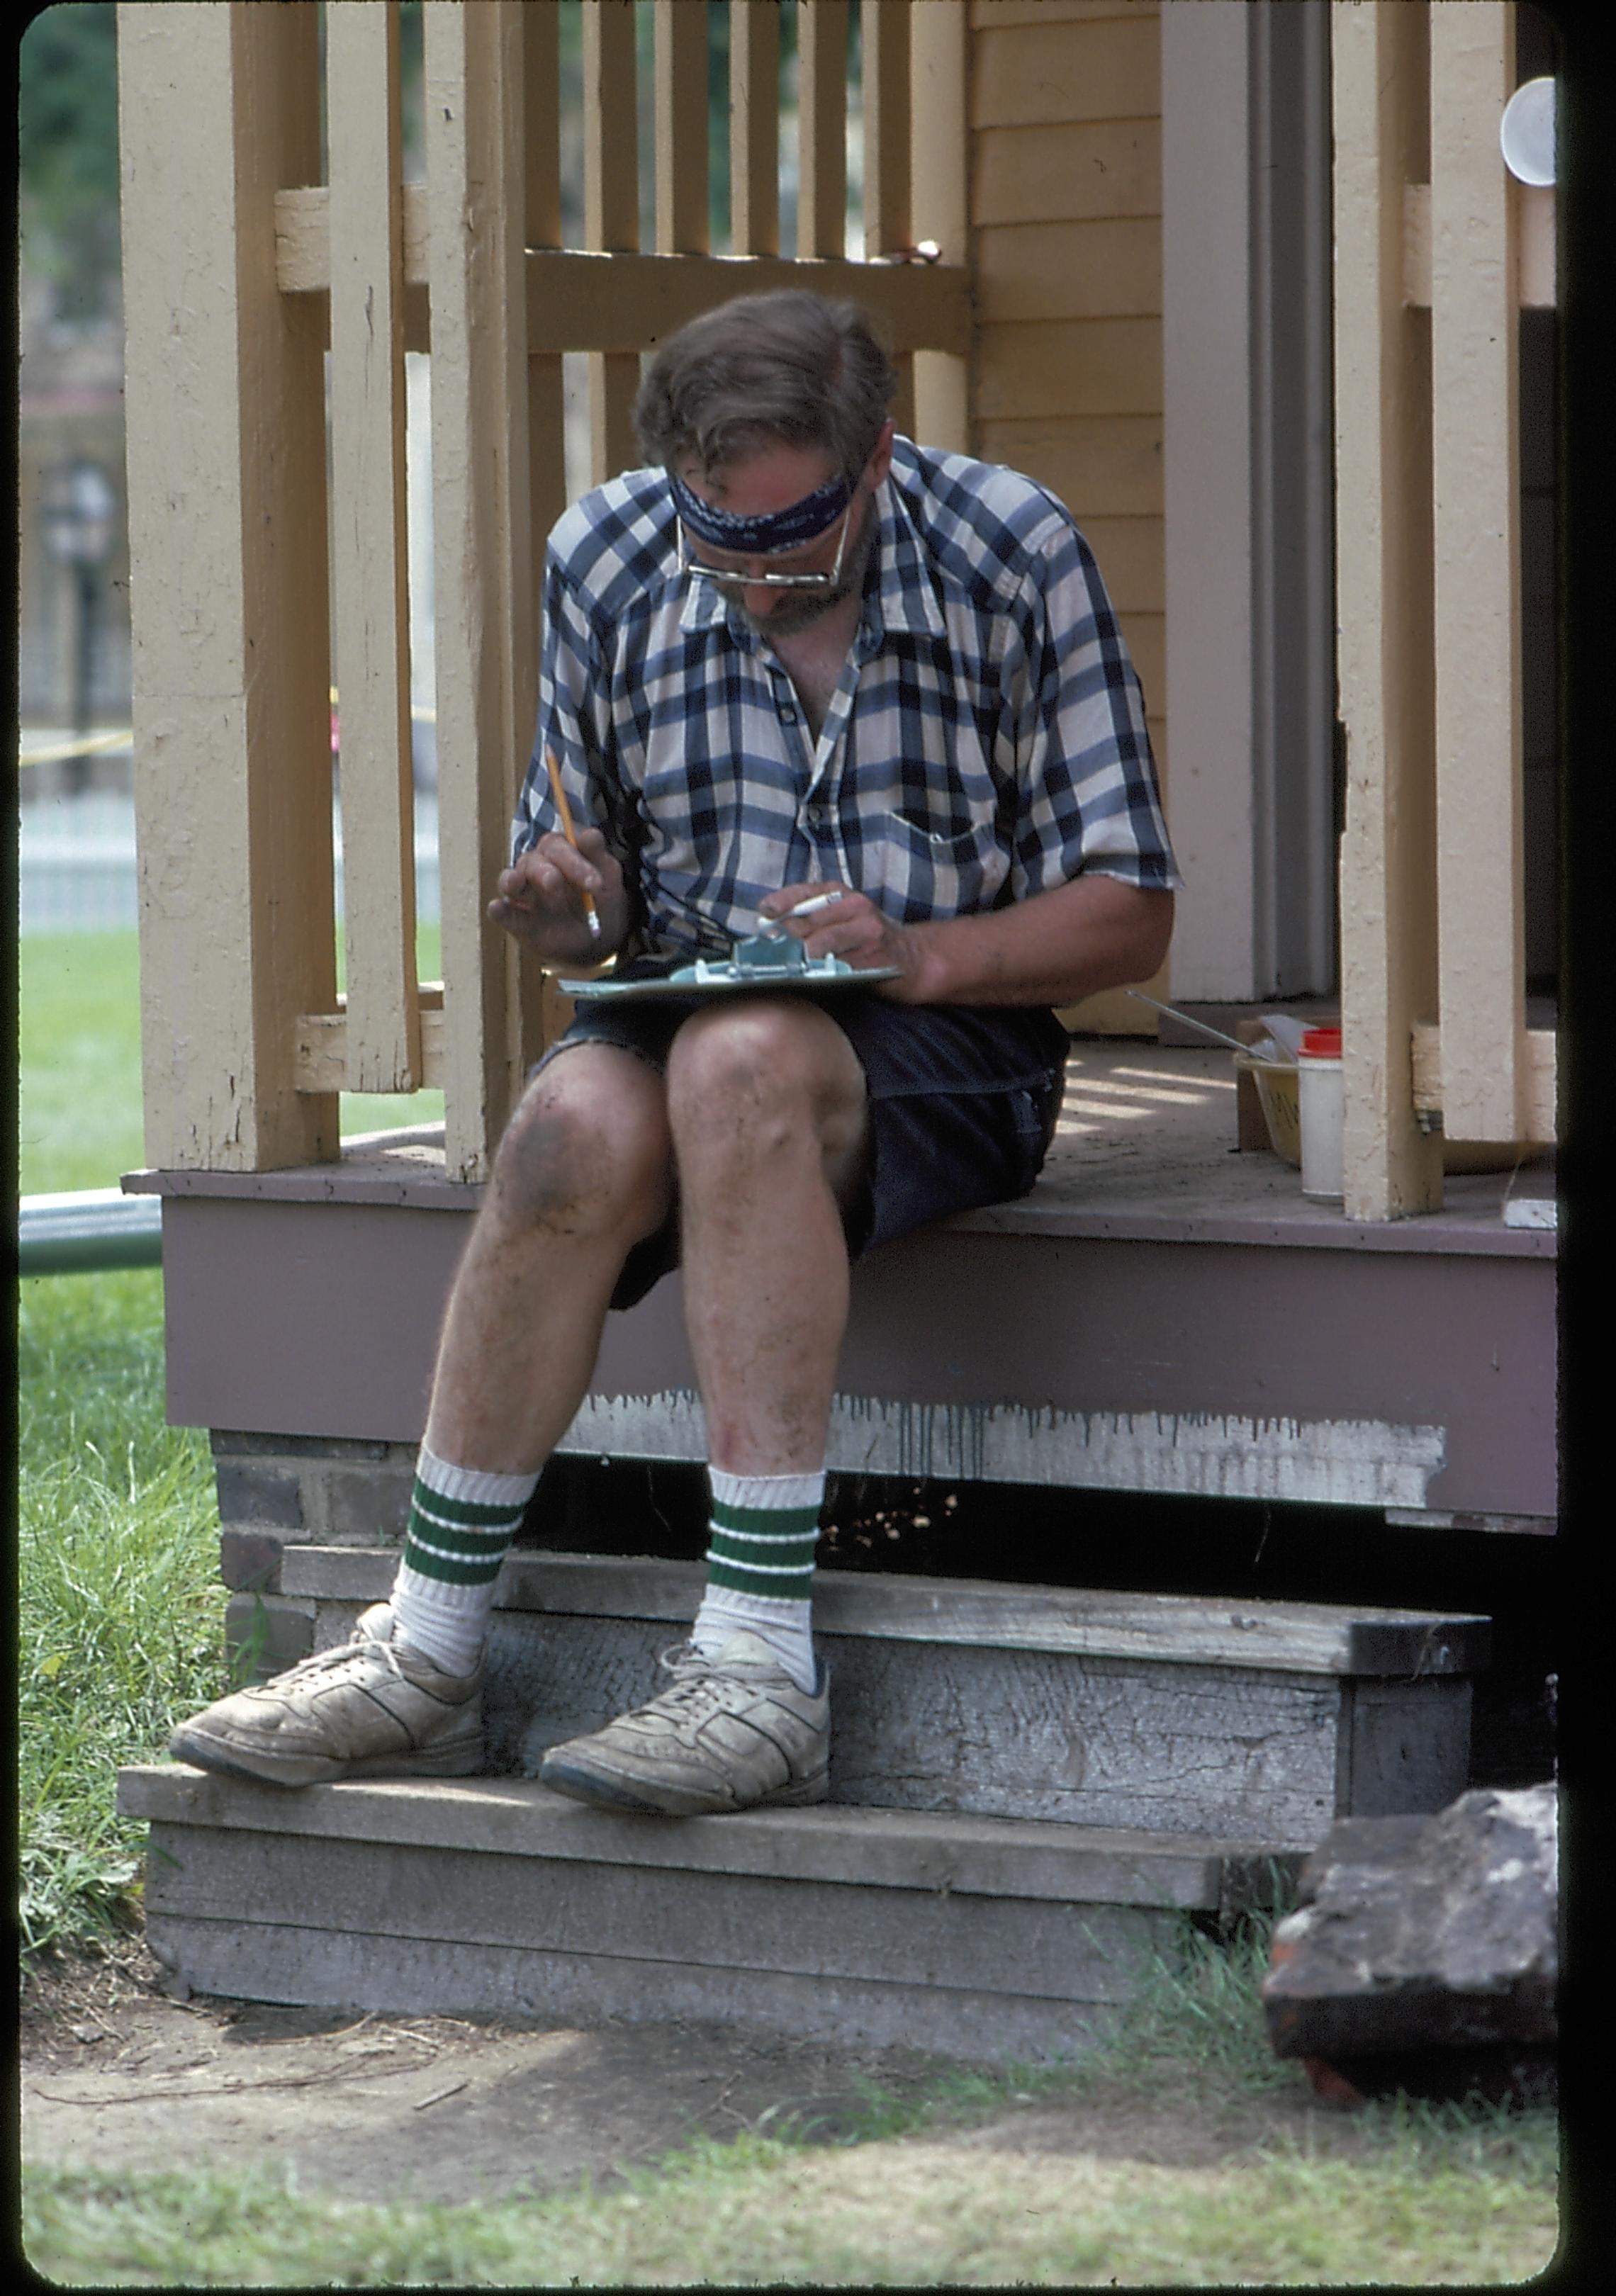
737,578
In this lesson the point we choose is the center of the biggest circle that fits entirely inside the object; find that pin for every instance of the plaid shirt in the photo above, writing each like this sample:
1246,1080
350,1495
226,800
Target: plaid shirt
987,739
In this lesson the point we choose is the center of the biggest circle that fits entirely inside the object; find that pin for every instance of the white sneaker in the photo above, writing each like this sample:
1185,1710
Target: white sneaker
372,1708
734,1733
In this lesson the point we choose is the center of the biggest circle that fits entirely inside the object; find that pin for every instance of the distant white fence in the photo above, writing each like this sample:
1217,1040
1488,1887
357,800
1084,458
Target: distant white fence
76,865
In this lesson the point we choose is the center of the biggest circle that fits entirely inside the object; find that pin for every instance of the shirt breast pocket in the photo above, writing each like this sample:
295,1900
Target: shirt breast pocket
942,871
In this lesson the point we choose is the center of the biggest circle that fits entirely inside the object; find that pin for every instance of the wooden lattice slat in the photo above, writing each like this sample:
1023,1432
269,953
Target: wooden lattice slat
369,550
482,569
821,128
754,126
611,214
886,127
681,127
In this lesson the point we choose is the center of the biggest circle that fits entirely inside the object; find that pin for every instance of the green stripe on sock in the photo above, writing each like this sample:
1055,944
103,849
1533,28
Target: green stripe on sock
473,1514
763,1550
457,1553
798,1587
474,1555
460,1538
452,1573
766,1522
797,1553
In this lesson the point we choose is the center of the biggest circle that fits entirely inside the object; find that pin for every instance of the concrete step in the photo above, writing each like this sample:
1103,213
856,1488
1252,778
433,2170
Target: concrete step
1172,1715
978,1936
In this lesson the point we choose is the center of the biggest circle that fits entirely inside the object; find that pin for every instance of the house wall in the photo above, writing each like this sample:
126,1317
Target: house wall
1066,247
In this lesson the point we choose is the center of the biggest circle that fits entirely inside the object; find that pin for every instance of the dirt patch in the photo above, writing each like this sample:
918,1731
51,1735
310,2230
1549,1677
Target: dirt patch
118,2075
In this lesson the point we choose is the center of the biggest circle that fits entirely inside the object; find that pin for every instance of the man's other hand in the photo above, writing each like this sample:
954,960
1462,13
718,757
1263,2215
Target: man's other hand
1055,947
854,930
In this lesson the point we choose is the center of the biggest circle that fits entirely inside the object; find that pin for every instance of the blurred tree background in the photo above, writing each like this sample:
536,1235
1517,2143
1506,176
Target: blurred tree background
67,107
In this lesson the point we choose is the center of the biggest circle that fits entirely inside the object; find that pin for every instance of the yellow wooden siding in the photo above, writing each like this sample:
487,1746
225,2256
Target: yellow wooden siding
1110,463
1102,267
1033,72
1066,251
1053,174
996,14
1070,366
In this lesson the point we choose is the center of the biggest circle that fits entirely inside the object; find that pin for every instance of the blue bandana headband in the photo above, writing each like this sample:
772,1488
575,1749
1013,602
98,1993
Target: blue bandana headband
761,537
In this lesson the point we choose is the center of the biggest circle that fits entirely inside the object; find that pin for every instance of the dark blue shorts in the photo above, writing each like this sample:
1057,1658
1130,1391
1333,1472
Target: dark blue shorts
962,1102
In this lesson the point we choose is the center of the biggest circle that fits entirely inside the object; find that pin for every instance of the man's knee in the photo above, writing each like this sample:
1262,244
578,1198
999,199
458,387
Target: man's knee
584,1150
756,1074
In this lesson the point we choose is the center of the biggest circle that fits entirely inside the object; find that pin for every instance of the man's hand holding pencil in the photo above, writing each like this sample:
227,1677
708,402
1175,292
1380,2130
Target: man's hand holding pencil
564,896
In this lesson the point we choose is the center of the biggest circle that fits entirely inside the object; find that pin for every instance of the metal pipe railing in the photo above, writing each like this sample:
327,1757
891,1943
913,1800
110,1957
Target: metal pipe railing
83,1234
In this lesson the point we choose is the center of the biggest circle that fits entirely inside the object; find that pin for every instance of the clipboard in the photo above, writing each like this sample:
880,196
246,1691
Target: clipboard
765,961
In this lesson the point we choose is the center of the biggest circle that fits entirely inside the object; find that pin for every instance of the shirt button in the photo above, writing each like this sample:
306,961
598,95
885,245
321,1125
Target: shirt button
788,716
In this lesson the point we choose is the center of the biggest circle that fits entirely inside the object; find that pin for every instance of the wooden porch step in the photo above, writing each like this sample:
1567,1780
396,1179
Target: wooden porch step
978,1936
1171,1715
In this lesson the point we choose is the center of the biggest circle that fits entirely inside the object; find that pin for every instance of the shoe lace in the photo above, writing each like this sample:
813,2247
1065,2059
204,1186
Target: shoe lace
359,1644
696,1681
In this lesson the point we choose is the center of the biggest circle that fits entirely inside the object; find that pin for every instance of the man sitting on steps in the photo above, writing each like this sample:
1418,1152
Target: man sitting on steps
796,656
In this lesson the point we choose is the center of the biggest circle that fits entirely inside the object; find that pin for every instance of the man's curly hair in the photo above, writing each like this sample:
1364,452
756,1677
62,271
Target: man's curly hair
761,369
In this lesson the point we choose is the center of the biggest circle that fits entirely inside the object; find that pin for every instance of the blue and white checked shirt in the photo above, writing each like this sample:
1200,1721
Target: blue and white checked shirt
987,739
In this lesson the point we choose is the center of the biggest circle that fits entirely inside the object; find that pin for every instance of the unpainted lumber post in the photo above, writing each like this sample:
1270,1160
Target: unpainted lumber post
1379,73
545,1011
1474,355
486,670
229,601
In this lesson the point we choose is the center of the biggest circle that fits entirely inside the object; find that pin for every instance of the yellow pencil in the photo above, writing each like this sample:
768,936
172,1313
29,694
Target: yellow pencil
565,811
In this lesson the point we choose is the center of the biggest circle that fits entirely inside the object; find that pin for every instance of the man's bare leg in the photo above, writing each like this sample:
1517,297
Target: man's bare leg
768,1107
582,1173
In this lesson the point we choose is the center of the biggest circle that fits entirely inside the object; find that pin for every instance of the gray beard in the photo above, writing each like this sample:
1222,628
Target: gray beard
799,611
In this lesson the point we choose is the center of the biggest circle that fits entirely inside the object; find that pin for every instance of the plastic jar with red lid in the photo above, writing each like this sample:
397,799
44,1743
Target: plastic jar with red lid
1321,1107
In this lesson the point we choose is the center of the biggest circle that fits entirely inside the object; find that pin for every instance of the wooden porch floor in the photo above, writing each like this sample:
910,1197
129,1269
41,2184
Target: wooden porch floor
1146,1142
1147,1135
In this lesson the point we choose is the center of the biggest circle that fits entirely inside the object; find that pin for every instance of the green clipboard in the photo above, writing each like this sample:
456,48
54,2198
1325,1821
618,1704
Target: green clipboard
765,961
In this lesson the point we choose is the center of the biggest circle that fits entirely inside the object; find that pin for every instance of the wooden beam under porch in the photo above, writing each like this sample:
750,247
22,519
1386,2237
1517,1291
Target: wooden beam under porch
1162,1313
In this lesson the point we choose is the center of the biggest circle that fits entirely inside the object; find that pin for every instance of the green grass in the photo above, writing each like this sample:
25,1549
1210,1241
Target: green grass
120,1611
79,1044
1423,2201
79,1119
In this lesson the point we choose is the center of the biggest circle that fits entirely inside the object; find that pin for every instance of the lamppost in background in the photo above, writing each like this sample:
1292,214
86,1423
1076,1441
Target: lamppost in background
79,516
